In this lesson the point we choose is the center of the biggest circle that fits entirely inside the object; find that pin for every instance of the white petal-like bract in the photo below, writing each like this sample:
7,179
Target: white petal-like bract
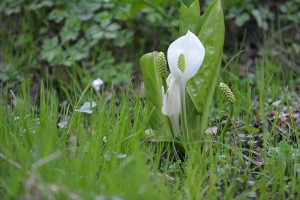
171,100
192,49
171,103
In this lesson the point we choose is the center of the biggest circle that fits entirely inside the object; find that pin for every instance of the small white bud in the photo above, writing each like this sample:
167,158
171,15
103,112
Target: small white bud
97,84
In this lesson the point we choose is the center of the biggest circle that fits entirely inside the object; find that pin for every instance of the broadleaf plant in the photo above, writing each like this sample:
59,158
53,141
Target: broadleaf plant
209,28
153,92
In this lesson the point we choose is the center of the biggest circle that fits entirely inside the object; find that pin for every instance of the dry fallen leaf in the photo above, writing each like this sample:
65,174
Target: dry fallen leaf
212,131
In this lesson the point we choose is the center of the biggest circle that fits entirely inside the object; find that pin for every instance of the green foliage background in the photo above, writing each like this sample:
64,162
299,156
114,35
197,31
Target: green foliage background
87,33
105,39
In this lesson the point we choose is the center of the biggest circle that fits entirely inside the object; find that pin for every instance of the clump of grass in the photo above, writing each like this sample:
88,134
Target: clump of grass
40,159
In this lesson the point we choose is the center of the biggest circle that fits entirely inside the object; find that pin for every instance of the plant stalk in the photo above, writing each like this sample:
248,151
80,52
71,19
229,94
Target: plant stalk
225,129
164,81
183,112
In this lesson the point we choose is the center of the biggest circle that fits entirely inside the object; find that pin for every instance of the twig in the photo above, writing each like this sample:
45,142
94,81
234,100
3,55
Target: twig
47,159
14,163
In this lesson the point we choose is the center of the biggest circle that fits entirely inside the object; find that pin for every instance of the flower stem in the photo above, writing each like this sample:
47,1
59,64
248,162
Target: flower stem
183,112
227,122
175,125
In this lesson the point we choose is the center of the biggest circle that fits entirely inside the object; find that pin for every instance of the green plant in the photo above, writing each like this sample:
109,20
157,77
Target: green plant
195,103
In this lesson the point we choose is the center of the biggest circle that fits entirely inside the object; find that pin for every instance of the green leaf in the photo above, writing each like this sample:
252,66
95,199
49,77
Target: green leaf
39,5
67,34
113,27
194,120
110,35
251,130
155,137
85,16
242,19
206,13
57,15
190,18
51,49
85,9
151,79
188,2
130,8
79,51
202,86
71,29
153,84
95,32
123,38
50,43
102,16
105,23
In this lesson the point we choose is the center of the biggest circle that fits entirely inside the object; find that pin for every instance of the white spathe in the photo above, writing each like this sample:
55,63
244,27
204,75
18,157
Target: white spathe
171,103
171,100
192,49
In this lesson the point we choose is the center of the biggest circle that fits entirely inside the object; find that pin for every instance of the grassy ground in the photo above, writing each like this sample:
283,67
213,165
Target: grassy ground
107,154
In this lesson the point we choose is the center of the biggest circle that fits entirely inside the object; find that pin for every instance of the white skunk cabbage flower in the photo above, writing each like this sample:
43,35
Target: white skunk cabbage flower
185,56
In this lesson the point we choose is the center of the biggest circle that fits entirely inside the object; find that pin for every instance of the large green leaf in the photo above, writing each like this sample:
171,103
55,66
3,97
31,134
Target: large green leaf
152,81
187,3
201,87
153,89
189,18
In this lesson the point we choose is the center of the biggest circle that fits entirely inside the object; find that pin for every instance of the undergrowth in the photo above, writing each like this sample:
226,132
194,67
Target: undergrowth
58,150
